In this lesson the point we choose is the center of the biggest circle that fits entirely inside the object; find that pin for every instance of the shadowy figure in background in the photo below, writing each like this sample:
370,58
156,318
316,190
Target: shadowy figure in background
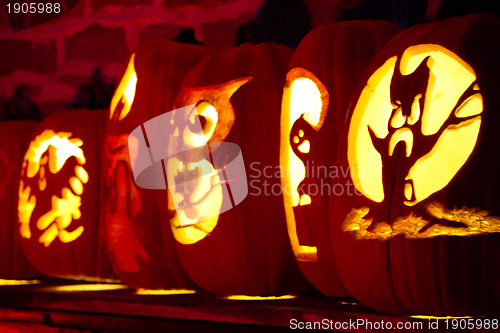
20,106
96,94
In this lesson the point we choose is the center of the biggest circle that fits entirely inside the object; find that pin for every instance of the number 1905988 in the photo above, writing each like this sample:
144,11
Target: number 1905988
33,8
471,324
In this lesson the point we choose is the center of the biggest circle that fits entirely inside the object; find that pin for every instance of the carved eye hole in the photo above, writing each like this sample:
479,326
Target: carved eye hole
415,110
398,120
205,116
208,118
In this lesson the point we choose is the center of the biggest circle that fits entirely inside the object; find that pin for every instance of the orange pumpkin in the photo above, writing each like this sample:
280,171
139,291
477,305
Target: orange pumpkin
140,243
13,263
423,236
60,197
323,74
244,250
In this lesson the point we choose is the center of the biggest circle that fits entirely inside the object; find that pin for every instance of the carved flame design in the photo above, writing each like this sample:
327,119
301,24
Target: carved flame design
122,100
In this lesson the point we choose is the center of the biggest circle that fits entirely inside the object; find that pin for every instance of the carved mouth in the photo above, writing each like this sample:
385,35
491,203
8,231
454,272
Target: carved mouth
196,198
402,134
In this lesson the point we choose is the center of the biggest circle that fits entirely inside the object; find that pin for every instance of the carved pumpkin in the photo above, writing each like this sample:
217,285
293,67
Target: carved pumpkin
323,74
420,142
60,194
244,250
140,242
13,263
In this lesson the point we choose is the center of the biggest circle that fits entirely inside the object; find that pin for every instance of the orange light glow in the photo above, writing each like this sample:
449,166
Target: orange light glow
125,92
87,287
301,96
364,160
64,209
26,206
259,298
197,220
449,79
446,317
208,112
350,303
165,292
217,97
304,95
474,221
197,209
4,282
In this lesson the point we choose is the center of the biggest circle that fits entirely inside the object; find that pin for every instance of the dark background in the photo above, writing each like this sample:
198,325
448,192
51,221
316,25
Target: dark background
73,60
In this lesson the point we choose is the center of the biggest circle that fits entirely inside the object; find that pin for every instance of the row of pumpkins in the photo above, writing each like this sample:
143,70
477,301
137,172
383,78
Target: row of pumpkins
407,116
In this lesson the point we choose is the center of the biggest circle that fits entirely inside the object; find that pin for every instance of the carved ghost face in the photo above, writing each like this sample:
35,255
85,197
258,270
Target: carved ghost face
304,108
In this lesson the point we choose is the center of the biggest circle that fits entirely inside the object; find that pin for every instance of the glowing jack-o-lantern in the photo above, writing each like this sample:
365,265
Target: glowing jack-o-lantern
59,197
243,250
48,152
418,144
324,72
13,263
197,208
439,127
139,238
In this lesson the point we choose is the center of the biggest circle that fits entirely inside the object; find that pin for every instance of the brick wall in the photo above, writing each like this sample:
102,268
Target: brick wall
96,38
